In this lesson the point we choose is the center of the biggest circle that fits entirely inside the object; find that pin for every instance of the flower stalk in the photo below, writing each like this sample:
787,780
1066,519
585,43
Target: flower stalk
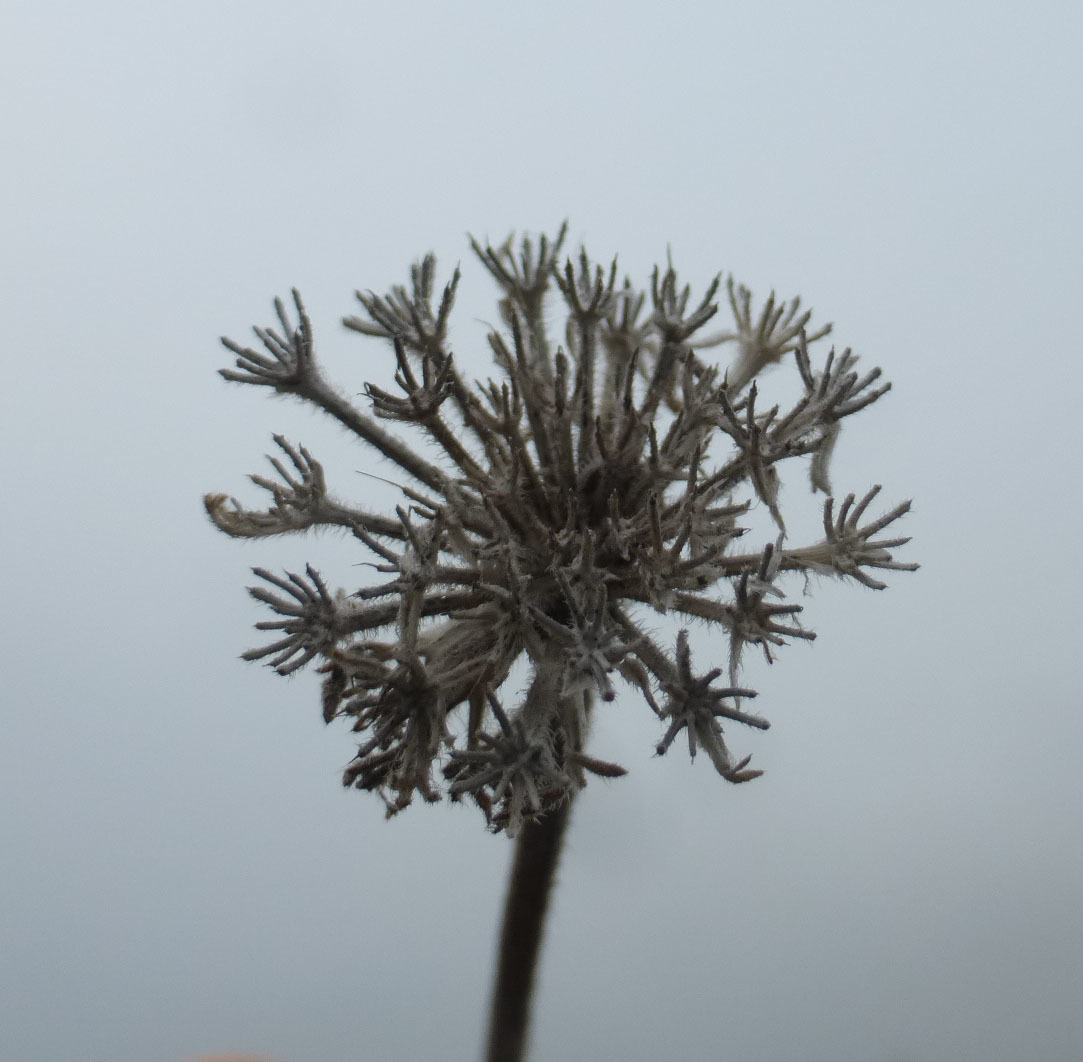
530,886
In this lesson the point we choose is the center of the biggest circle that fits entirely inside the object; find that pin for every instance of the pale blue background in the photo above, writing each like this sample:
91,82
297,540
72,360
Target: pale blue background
181,871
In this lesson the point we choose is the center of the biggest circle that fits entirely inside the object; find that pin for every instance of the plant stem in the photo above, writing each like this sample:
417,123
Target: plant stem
537,851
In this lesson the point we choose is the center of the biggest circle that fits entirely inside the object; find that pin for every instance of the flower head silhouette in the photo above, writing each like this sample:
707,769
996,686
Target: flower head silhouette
578,488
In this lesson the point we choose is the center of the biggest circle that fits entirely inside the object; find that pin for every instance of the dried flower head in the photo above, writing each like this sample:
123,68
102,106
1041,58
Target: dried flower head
581,487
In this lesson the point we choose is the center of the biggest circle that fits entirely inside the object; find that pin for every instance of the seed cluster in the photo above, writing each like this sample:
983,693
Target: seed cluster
581,489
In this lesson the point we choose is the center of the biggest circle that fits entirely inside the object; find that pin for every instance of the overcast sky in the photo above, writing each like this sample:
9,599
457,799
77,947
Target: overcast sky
182,871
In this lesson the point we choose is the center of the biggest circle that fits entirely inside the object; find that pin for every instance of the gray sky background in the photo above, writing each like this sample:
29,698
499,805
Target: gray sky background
182,871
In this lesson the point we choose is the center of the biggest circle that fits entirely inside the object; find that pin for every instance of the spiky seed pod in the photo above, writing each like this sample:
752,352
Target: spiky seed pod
581,487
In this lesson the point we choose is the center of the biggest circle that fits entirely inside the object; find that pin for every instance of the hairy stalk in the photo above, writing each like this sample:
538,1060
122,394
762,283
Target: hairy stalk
537,853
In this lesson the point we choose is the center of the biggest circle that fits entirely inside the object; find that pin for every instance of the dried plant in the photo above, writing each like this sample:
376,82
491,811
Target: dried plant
574,495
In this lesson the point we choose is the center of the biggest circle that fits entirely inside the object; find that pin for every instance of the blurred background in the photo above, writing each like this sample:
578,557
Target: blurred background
182,873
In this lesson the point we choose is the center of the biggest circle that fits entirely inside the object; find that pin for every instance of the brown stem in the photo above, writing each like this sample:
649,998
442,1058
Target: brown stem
537,851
